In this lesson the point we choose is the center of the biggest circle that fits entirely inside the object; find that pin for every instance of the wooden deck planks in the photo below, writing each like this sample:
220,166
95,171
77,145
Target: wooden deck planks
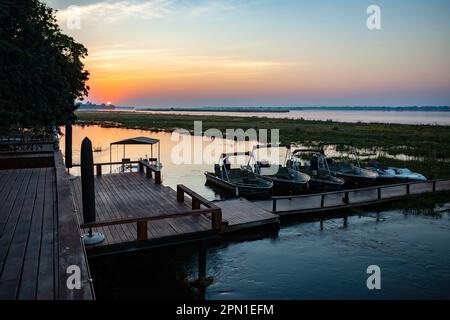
17,236
241,213
130,195
27,243
31,264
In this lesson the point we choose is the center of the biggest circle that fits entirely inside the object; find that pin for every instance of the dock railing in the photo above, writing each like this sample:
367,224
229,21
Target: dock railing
142,222
143,167
197,200
356,197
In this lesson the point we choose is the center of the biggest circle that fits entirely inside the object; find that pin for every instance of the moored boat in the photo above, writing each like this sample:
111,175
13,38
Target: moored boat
394,174
353,174
285,180
240,181
321,180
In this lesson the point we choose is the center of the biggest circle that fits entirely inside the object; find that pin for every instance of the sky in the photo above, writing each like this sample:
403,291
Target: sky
193,53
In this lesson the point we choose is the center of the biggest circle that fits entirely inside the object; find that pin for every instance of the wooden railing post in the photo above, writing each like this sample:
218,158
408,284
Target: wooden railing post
346,198
274,205
408,188
180,194
322,200
142,231
379,193
99,169
216,218
158,177
434,186
195,204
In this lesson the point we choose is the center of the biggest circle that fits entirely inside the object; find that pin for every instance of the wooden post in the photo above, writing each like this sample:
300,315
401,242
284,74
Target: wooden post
322,200
142,230
346,199
158,177
217,220
180,194
87,181
407,189
195,204
321,224
68,147
274,205
434,186
202,260
99,169
379,193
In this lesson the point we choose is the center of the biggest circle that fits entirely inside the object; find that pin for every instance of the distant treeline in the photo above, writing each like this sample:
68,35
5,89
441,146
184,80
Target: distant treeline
377,108
287,109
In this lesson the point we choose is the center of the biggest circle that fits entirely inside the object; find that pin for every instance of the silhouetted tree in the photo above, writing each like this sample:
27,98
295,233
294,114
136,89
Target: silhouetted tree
41,73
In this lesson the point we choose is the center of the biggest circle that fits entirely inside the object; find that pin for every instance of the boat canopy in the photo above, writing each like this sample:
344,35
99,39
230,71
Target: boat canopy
246,153
137,141
261,146
305,151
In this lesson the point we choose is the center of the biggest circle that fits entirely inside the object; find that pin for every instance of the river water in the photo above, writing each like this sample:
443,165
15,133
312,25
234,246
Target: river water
402,117
299,261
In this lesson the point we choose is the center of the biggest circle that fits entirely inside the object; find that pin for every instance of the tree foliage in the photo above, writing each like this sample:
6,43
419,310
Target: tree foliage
41,73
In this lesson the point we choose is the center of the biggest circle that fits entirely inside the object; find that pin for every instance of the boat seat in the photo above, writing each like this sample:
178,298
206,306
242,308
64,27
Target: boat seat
251,177
283,172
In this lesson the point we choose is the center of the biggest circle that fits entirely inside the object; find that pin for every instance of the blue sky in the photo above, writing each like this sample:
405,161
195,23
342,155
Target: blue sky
263,52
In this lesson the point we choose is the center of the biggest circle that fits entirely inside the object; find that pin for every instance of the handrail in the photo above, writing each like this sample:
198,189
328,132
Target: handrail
145,219
114,163
360,189
198,200
150,168
346,193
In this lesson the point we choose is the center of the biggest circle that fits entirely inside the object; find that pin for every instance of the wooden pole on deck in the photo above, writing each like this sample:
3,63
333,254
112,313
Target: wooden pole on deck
87,181
68,144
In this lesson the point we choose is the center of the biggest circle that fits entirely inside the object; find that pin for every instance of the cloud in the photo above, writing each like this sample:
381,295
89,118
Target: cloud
209,6
113,11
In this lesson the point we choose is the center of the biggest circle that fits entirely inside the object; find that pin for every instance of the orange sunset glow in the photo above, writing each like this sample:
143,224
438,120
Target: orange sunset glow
194,53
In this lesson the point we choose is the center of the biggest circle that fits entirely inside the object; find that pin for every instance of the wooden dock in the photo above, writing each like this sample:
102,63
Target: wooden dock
124,199
239,214
39,233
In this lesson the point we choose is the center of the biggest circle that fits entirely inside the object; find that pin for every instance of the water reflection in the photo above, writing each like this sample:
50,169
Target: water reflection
325,258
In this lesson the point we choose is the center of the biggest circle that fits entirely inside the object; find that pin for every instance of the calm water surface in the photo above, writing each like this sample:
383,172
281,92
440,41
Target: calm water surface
300,261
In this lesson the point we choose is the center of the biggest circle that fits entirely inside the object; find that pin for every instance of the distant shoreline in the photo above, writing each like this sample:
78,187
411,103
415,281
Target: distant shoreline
269,109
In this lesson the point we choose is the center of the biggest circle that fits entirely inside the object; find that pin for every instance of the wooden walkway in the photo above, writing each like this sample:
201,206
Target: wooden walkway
129,196
329,201
239,214
39,235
